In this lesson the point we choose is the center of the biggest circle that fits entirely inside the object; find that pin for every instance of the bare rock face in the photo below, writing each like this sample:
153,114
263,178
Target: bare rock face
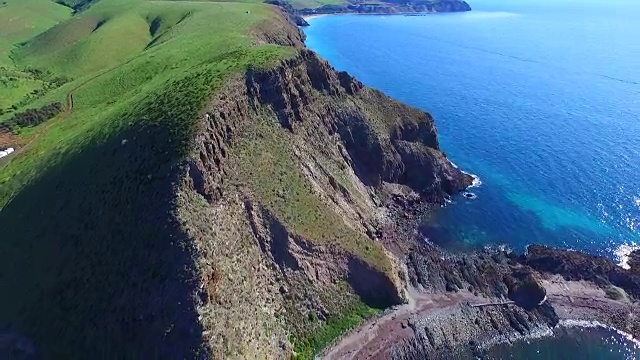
634,261
385,140
525,289
292,14
575,265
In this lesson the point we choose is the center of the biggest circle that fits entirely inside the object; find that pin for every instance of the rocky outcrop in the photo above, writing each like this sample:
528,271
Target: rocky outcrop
384,140
461,332
292,14
391,7
634,261
575,265
525,289
458,331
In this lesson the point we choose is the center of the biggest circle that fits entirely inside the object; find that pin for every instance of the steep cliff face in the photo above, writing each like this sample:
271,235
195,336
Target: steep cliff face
293,165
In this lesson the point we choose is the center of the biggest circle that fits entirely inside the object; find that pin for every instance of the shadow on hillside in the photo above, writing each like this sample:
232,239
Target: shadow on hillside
92,264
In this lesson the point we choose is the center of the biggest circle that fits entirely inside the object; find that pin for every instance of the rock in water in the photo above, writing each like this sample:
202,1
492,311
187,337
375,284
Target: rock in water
525,289
634,261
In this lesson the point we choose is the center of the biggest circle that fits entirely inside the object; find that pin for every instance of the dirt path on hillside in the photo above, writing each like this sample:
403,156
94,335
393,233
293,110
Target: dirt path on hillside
68,109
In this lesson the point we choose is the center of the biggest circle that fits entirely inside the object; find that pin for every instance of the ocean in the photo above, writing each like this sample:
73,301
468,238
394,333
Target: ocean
539,99
571,342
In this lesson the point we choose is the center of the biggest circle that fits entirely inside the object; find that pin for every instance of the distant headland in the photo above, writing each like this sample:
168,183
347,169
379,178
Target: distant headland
298,10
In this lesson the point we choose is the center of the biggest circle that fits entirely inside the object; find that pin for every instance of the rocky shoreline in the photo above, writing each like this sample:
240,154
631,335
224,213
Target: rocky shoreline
458,304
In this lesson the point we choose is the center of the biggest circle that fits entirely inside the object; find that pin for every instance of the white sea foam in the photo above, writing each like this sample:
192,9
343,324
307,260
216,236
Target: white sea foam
595,324
500,247
622,254
476,179
536,333
545,331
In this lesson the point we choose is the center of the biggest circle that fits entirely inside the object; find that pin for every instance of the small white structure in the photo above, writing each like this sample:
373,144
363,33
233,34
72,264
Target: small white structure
6,152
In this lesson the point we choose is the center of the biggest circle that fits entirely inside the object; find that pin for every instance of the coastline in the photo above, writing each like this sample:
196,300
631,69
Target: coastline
309,17
575,296
421,13
383,8
456,323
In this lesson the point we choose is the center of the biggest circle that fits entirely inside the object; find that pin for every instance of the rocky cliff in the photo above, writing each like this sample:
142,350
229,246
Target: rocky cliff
296,163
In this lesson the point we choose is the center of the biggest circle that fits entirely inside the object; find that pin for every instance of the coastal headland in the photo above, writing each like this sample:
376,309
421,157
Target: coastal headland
214,189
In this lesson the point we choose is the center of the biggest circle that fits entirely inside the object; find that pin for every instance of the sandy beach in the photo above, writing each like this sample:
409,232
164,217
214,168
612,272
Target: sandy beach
309,17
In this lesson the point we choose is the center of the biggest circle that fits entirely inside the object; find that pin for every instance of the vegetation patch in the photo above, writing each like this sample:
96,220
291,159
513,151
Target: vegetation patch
267,165
314,4
33,117
24,87
331,329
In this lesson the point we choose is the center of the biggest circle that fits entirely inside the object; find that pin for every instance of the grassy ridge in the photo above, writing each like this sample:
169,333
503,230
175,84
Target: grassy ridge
86,227
212,39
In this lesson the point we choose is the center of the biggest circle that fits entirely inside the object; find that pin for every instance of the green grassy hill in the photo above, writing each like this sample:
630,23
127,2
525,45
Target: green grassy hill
20,20
79,244
93,256
116,62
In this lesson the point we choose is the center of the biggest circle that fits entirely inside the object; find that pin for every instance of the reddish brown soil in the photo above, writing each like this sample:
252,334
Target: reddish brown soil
377,335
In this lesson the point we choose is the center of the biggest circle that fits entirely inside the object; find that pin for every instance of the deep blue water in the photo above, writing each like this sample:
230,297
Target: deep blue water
540,99
584,343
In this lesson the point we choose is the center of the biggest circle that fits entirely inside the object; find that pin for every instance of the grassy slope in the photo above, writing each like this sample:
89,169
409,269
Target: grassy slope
82,214
210,41
19,21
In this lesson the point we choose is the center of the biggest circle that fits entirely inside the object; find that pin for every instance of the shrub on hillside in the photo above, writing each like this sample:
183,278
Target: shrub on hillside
33,117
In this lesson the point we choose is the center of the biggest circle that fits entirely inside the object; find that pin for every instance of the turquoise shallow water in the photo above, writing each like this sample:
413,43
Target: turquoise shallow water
540,99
